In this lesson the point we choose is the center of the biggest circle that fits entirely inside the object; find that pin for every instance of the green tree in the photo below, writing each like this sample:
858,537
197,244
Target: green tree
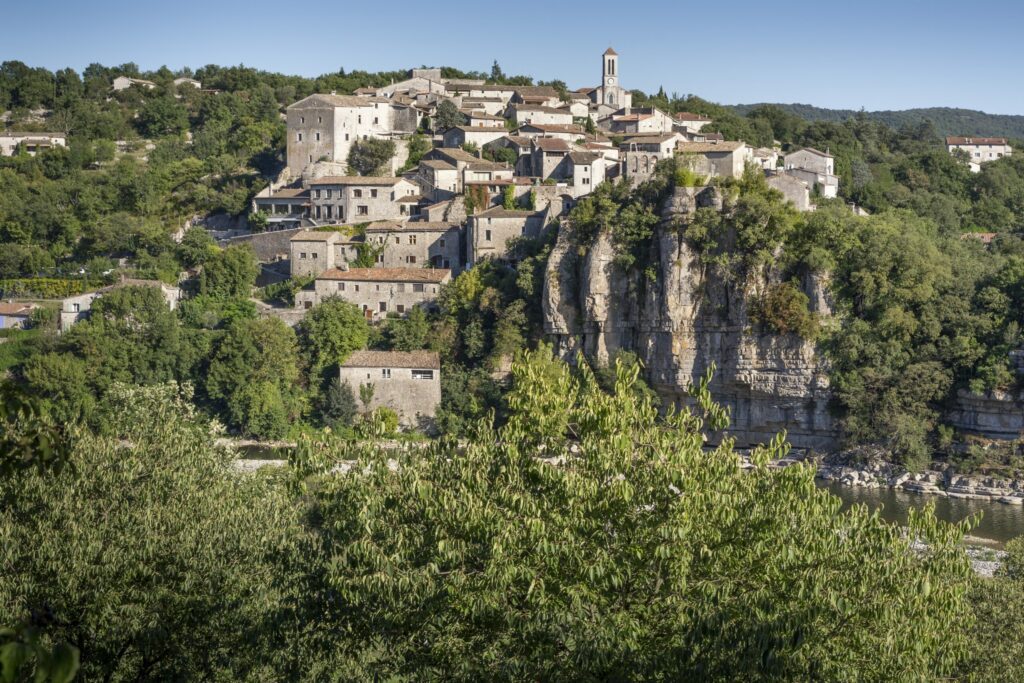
196,247
447,116
254,376
371,157
163,116
411,333
634,553
338,405
330,332
153,556
229,273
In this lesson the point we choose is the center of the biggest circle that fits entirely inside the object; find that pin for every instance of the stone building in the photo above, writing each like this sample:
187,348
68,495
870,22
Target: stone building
726,158
568,132
75,308
377,291
550,158
417,243
124,82
285,207
324,127
531,113
360,199
31,143
15,315
473,135
610,92
687,123
793,189
639,154
815,168
407,382
489,232
589,169
979,150
639,120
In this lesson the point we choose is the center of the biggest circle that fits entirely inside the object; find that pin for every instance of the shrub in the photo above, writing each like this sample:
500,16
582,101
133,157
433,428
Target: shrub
784,309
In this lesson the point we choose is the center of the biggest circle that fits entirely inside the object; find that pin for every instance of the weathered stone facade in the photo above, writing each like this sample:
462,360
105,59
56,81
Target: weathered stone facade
418,243
378,291
407,382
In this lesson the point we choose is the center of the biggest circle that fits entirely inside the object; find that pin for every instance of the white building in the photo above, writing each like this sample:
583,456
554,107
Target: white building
610,93
814,167
979,150
31,143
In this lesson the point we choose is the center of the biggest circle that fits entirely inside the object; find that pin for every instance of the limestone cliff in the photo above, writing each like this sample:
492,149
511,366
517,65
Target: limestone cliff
685,320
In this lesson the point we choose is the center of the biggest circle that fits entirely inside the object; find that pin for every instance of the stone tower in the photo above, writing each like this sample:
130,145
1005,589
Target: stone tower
610,75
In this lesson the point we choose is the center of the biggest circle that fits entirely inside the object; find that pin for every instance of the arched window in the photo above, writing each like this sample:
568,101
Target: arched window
636,164
647,164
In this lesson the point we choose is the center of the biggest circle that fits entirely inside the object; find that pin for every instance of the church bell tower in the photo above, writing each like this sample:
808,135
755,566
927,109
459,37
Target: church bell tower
610,69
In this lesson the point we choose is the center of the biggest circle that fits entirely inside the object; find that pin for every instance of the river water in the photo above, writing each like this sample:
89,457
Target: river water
999,522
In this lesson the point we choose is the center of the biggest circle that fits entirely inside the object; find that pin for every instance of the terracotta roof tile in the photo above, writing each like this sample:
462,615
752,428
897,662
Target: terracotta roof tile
393,359
429,275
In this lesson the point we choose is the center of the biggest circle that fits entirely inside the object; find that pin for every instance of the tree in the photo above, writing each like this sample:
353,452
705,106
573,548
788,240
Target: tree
587,540
163,116
497,75
229,273
447,116
411,333
153,556
254,376
196,247
371,156
338,405
330,332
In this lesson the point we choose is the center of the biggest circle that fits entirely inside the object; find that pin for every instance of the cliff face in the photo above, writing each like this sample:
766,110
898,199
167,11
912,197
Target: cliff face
684,321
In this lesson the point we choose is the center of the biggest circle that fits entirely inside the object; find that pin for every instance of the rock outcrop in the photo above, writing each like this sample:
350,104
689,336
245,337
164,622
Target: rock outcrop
683,321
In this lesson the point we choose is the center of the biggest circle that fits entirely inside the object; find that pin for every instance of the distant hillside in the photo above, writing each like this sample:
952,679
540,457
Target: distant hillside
948,121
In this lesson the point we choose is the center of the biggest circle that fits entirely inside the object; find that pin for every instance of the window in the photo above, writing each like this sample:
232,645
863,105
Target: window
316,194
423,374
417,287
400,308
318,136
398,239
341,286
362,211
319,119
383,306
410,259
318,211
307,305
359,119
314,255
385,373
329,192
346,137
310,158
401,286
440,243
487,235
357,193
328,210
412,239
302,119
357,287
380,258
76,307
373,193
298,137
375,120
445,263
302,254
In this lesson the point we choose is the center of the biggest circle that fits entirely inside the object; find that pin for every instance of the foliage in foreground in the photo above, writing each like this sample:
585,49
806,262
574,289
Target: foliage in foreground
626,552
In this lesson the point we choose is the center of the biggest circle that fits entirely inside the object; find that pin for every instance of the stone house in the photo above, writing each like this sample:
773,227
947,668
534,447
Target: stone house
639,154
491,106
489,232
727,158
124,82
360,199
481,119
568,132
765,157
814,167
377,291
75,308
529,113
15,315
438,179
550,158
793,189
522,146
639,120
324,127
417,243
407,382
979,150
475,135
285,207
178,82
12,143
688,123
589,169
311,252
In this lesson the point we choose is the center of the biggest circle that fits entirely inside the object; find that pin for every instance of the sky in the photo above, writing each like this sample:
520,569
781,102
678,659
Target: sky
862,53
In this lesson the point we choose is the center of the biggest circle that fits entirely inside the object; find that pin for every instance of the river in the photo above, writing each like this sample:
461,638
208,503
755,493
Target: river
999,522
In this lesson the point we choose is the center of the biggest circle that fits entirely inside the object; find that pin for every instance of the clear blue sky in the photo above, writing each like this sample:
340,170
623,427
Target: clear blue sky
861,53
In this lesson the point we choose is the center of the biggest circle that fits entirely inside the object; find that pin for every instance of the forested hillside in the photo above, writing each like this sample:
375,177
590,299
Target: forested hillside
947,120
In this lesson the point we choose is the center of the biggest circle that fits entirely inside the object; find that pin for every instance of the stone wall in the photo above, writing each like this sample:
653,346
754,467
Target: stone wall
269,246
994,414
